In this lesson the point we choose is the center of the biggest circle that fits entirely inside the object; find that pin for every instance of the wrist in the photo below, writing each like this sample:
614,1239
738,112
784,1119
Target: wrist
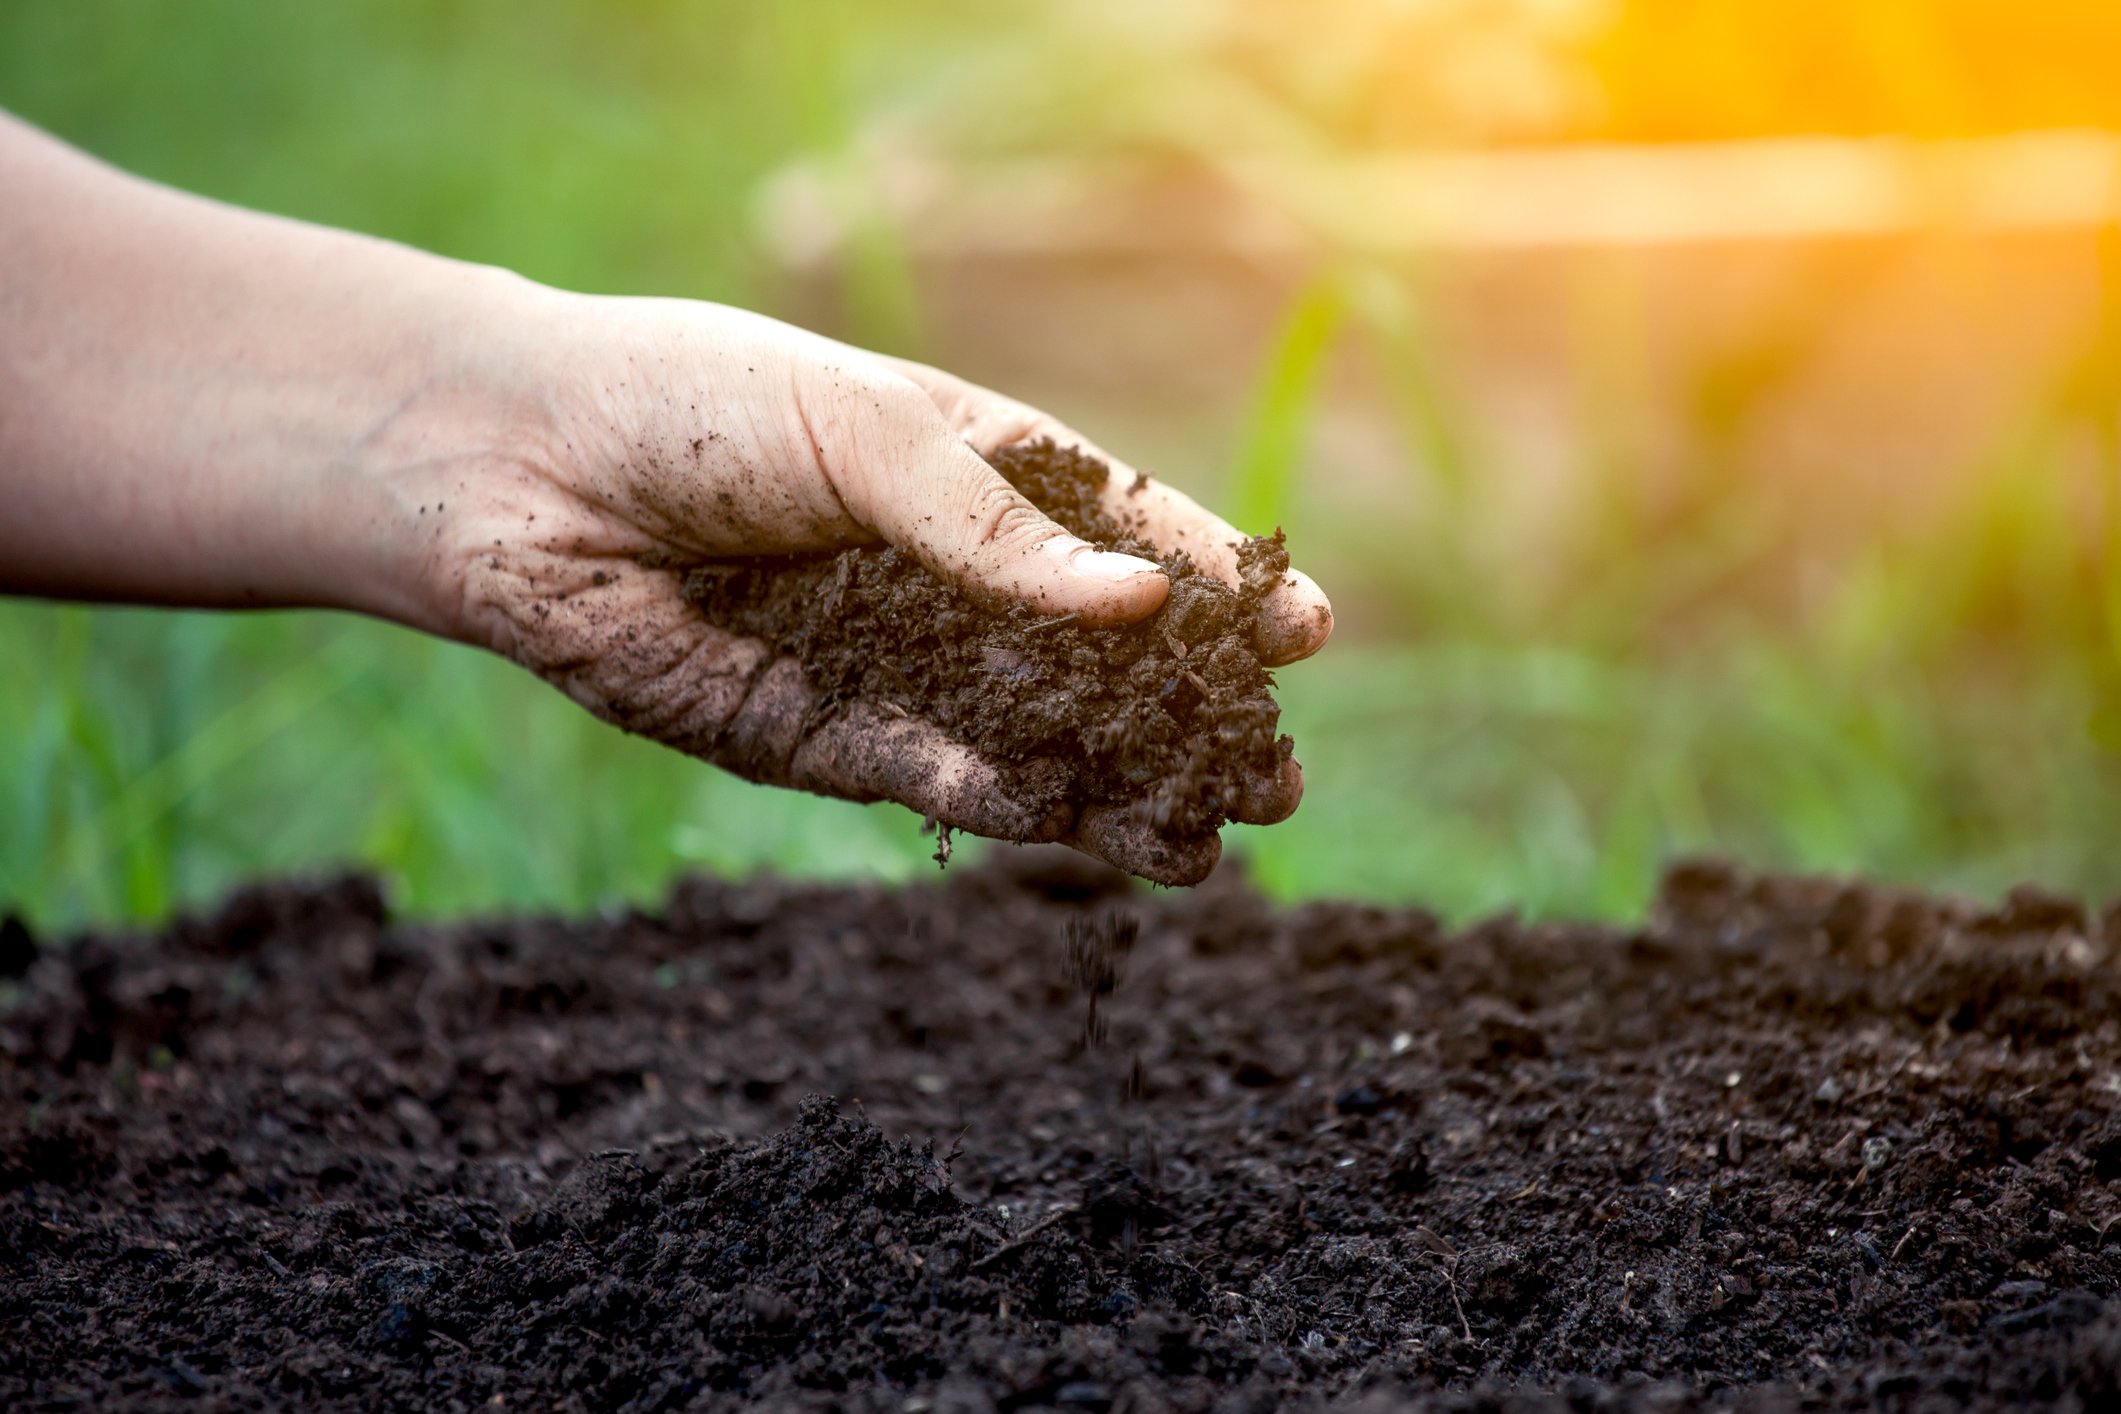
208,407
466,442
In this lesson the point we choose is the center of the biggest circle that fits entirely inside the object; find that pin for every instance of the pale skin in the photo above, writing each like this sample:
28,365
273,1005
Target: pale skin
207,407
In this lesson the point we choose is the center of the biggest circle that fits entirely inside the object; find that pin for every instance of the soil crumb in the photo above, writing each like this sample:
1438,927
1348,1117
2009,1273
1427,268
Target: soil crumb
1167,716
1795,1144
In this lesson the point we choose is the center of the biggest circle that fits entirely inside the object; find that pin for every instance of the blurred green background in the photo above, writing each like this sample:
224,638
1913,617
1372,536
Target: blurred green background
1703,655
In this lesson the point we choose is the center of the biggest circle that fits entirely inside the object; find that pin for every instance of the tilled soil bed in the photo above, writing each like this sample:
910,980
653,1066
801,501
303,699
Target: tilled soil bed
1794,1143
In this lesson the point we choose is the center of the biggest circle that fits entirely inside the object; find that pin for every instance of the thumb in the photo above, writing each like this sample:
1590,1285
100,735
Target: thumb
910,478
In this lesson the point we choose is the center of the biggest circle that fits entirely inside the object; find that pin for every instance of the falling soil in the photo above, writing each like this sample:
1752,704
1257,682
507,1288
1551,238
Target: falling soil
1793,1144
1168,716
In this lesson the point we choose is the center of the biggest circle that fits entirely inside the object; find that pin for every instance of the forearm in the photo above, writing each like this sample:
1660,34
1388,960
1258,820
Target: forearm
200,405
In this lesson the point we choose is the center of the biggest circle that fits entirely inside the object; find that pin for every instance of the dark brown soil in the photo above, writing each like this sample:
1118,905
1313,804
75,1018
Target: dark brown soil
1167,716
1793,1144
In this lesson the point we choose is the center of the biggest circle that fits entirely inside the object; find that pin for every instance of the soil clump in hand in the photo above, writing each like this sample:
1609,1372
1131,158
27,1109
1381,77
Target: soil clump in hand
1168,716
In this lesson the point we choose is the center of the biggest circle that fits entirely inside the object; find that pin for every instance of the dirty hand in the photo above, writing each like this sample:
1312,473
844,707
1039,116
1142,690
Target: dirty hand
668,432
204,406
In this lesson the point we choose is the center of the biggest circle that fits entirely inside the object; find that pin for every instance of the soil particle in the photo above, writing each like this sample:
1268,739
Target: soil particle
1797,1143
1170,716
18,946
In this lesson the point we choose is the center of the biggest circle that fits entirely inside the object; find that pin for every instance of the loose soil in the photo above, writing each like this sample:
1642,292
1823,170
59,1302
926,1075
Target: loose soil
1167,716
1794,1143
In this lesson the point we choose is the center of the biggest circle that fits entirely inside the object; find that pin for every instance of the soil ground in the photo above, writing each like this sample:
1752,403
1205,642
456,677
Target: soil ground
1792,1144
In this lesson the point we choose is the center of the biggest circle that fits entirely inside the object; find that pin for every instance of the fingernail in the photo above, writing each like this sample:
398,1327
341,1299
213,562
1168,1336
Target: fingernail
1109,565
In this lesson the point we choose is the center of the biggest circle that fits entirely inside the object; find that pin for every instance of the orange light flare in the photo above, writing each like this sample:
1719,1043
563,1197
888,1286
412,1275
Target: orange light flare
1857,247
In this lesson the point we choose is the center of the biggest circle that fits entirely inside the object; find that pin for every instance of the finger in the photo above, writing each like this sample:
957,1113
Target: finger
865,754
903,471
1269,798
763,735
982,418
1111,833
1293,622
1294,619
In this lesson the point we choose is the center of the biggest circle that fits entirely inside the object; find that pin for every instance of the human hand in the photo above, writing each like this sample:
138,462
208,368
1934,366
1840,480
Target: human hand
654,434
204,406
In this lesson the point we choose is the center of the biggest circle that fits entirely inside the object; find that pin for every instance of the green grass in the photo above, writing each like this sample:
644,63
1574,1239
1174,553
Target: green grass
155,758
1477,777
1272,452
1949,716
